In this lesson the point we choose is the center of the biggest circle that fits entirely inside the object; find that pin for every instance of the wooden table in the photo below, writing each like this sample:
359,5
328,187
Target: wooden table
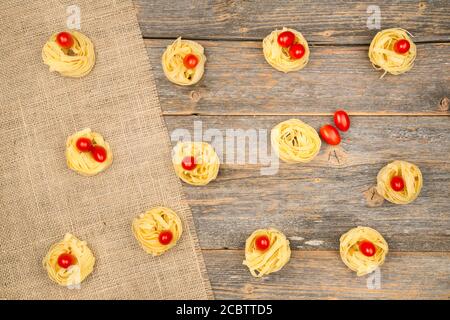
397,117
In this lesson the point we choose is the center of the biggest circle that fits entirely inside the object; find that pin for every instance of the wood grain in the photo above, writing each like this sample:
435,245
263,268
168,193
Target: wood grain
239,81
397,117
322,275
316,202
331,21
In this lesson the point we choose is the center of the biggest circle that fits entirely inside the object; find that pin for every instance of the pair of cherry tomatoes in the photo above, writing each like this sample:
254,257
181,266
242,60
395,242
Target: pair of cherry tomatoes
329,133
98,152
286,39
188,163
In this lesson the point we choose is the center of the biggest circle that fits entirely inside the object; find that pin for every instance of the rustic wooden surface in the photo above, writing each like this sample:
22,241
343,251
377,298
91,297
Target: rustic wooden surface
404,117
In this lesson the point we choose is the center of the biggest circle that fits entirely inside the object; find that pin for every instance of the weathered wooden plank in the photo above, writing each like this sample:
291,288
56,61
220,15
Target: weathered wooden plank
315,203
322,275
238,80
331,21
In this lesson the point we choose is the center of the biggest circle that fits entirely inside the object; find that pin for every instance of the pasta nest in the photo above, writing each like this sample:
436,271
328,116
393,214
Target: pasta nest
206,160
77,272
279,57
147,227
74,62
262,263
173,66
411,176
383,56
353,258
83,162
295,141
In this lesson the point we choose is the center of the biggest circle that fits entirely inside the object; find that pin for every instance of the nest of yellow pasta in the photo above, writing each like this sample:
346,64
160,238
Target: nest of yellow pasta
82,266
206,162
76,61
279,57
295,141
147,229
354,258
409,173
83,162
383,53
273,258
174,67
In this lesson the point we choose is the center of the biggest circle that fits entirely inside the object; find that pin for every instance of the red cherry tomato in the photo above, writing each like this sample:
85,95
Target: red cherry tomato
99,153
188,163
190,61
342,120
286,39
330,135
262,243
64,39
84,144
296,51
367,248
397,183
165,237
65,260
402,46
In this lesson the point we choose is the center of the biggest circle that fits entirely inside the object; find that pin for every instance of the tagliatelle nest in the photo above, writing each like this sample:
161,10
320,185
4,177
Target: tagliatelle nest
206,159
295,141
261,263
74,62
353,258
147,227
279,57
173,66
75,273
383,56
411,176
83,162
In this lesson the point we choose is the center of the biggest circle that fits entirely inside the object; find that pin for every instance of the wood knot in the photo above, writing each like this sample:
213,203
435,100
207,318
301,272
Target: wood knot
248,288
422,5
337,156
373,198
444,104
195,96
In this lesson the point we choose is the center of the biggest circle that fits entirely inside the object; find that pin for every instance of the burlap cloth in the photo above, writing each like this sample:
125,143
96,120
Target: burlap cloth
41,199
